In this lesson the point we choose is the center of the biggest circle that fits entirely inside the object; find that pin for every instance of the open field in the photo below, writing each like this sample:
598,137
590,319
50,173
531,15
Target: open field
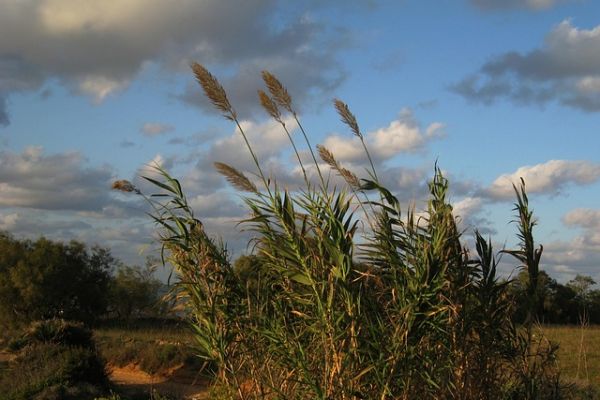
579,353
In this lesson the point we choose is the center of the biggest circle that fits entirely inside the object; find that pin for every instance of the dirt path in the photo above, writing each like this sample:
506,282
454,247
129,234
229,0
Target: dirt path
6,357
179,383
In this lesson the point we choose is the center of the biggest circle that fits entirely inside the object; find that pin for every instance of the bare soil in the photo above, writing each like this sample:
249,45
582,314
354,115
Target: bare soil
177,382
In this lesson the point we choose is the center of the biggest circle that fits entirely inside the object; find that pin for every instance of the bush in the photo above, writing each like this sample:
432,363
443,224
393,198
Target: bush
45,279
57,360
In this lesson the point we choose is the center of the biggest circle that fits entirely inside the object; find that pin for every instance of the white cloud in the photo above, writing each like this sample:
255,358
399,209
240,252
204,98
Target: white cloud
550,178
268,141
467,207
535,5
151,129
403,135
59,181
100,87
8,221
583,217
582,253
98,47
217,204
566,69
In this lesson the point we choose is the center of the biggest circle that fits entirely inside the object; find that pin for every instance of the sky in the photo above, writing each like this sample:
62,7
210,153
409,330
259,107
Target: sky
491,90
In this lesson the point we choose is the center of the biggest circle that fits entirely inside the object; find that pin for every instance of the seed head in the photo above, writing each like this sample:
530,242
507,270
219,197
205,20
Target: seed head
124,185
270,106
278,91
214,91
347,117
236,178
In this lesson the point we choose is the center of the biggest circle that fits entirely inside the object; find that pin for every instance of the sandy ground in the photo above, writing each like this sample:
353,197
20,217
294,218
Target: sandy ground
178,382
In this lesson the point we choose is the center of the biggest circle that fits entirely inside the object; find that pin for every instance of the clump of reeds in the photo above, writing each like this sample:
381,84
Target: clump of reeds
409,313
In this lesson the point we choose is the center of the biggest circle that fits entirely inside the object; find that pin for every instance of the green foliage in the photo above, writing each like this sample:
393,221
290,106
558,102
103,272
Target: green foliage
420,316
58,361
45,279
135,292
151,356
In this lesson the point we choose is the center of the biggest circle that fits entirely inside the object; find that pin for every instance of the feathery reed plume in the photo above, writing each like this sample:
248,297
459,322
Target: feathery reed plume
278,91
237,179
327,156
214,91
283,98
347,117
270,106
124,185
349,176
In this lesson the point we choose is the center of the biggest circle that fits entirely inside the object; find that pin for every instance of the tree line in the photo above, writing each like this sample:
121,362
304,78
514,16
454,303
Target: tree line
43,279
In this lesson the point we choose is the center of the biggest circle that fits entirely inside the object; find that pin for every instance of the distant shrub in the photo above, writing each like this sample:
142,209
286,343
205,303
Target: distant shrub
57,360
62,332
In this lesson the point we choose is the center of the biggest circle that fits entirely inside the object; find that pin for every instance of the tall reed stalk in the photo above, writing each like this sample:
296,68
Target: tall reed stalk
403,310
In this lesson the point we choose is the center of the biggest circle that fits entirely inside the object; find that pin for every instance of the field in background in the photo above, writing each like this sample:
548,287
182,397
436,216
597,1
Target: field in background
579,353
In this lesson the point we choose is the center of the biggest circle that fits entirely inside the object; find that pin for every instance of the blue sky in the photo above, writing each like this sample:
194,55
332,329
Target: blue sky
493,90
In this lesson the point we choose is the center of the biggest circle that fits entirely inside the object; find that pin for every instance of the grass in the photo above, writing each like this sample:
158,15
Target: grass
571,361
53,360
154,350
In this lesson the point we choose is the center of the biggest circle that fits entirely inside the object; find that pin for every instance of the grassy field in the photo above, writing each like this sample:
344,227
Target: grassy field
154,350
579,353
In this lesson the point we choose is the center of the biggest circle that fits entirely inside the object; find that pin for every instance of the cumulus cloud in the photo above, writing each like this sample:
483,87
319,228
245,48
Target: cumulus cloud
583,217
550,177
511,4
217,204
59,181
268,141
403,135
580,254
565,69
468,212
97,48
8,221
151,129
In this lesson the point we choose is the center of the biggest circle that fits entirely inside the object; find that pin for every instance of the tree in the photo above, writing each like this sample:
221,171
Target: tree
134,291
44,279
581,285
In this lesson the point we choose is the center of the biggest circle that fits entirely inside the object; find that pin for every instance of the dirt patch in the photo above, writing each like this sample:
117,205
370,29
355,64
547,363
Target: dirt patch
177,382
6,357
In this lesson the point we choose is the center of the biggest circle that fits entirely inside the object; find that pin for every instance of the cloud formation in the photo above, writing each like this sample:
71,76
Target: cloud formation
489,5
402,135
52,182
565,69
583,217
550,178
97,48
582,253
151,129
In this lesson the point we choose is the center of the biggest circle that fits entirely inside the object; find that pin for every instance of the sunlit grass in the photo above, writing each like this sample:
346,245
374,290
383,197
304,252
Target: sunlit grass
578,359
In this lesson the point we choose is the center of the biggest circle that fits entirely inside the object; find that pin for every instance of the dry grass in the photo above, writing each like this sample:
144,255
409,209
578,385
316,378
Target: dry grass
572,356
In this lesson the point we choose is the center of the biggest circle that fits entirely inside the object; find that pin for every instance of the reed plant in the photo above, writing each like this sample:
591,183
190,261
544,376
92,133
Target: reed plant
355,297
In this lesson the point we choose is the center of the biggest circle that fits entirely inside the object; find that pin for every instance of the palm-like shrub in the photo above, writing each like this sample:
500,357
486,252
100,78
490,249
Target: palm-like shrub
354,297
